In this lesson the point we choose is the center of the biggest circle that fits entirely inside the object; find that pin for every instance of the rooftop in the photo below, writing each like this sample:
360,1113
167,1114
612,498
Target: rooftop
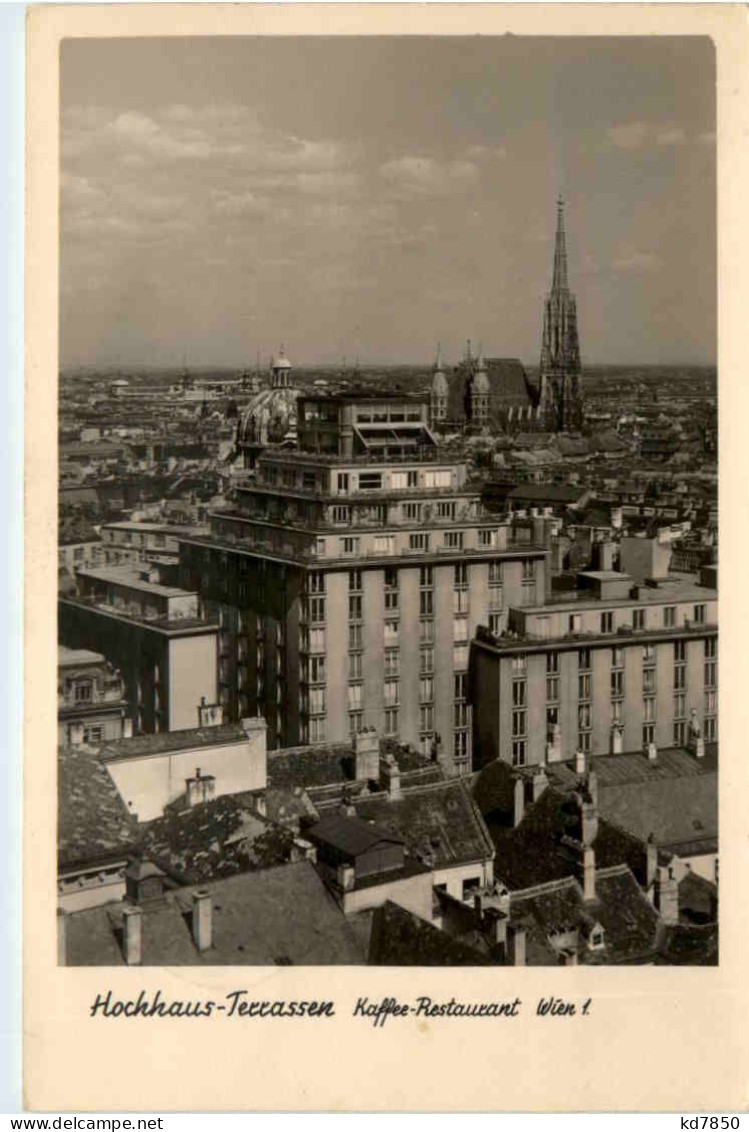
131,577
72,658
93,823
139,746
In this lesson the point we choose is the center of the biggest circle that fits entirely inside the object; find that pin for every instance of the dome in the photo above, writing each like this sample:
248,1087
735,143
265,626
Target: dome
281,362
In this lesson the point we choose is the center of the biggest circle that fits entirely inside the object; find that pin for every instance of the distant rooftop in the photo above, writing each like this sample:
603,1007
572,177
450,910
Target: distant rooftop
131,576
164,741
69,658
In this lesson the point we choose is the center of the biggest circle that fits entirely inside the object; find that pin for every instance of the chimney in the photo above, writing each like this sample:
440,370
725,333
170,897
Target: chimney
540,782
132,928
569,959
76,734
346,877
127,728
202,919
652,752
651,863
367,754
62,945
667,894
617,738
210,715
589,873
519,800
390,777
515,946
554,745
579,762
591,786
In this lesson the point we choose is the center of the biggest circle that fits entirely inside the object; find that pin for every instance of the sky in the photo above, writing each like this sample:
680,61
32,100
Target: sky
370,197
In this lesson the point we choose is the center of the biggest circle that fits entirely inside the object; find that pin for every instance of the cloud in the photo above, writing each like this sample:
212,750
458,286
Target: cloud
424,176
630,135
636,261
243,203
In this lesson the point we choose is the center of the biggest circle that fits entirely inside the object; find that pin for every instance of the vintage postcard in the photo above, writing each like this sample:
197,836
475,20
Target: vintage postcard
384,375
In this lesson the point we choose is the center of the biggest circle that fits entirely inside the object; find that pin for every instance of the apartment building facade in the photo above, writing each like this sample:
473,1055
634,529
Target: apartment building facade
620,668
351,576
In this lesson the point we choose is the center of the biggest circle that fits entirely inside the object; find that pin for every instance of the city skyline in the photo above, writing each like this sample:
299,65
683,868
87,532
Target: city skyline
372,197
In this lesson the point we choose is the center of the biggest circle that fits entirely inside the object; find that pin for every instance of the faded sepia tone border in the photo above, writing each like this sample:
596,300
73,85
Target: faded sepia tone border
656,1038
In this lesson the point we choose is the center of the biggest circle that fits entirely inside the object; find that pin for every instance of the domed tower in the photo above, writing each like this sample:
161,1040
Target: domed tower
439,391
280,371
480,393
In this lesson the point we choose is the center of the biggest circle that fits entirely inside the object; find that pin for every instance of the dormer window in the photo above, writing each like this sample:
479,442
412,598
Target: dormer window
596,938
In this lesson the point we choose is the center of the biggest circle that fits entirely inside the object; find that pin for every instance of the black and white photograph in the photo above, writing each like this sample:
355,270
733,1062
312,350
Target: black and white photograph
387,622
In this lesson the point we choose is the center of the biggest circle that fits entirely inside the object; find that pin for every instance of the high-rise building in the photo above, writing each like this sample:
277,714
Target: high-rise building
623,667
560,379
351,575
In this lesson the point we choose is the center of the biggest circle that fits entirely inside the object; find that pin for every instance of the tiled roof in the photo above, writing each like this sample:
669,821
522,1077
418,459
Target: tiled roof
93,823
277,916
401,939
328,763
349,834
215,839
439,823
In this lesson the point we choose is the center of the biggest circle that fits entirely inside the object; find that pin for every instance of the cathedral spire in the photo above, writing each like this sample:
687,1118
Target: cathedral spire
559,280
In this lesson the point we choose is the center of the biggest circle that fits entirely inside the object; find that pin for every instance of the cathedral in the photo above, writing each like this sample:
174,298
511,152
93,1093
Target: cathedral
560,379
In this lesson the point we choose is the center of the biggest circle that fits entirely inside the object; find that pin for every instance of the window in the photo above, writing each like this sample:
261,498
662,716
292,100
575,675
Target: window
648,734
552,688
680,732
354,581
552,662
648,655
355,666
84,692
583,717
711,729
607,622
426,718
617,684
391,633
317,729
350,545
680,705
518,752
573,623
317,701
711,702
638,618
426,576
355,607
412,479
391,721
426,689
391,578
354,637
711,648
617,658
648,705
680,652
317,640
320,547
460,580
412,512
460,686
343,482
495,598
317,670
552,718
391,600
518,662
317,609
370,481
445,510
437,478
392,693
354,697
616,711
495,623
488,538
392,662
426,660
584,741
355,722
711,674
418,542
460,601
669,616
529,570
518,693
93,736
341,514
519,723
454,540
460,629
583,686
460,656
648,680
384,544
583,659
699,614
680,677
495,573
426,632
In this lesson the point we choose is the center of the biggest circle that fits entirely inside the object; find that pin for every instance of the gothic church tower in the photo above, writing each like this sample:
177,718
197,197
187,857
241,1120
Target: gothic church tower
561,395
